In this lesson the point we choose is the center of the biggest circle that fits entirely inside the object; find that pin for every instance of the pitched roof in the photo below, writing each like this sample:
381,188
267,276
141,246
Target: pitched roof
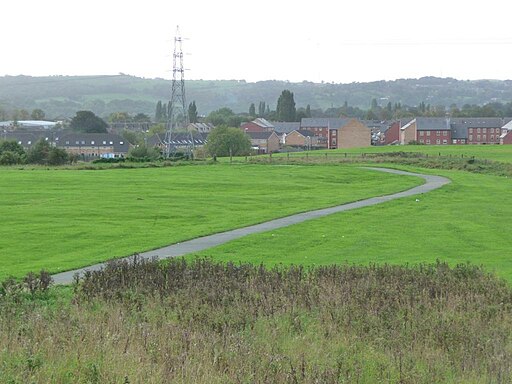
263,123
178,139
260,135
323,122
479,122
285,127
94,139
432,124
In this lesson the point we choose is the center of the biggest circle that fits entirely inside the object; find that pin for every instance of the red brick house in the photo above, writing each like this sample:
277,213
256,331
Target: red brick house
485,130
427,130
257,125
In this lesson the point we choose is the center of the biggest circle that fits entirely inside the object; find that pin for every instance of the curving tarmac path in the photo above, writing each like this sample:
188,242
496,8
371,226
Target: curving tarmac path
195,245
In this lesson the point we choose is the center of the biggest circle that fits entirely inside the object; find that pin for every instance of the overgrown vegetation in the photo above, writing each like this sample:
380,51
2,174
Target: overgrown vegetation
201,321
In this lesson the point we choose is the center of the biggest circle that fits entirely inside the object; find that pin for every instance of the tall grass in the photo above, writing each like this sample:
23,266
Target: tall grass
201,321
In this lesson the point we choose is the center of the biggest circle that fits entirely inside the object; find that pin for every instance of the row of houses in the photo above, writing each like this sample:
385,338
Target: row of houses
87,145
309,133
450,131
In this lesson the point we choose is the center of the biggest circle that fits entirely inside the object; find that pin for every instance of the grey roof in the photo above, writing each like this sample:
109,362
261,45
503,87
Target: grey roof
178,139
323,122
479,122
119,144
432,124
285,127
259,135
25,139
263,123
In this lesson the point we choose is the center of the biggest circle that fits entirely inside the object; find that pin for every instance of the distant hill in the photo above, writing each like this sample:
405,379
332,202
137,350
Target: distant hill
62,96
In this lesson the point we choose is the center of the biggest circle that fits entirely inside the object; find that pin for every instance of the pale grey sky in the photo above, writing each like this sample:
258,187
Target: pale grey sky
331,41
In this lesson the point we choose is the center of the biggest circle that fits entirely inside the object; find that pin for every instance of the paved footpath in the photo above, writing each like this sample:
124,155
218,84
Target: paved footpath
195,245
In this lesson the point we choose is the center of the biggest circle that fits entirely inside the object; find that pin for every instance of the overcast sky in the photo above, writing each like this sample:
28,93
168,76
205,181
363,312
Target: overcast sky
332,41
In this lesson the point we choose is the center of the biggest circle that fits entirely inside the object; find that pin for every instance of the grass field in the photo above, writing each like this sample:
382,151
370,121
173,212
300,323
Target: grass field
490,152
465,221
64,219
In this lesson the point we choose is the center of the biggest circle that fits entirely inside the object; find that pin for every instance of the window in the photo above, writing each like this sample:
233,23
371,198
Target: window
111,143
445,141
428,133
484,138
421,133
121,143
67,142
445,133
83,142
77,142
438,133
484,130
438,141
478,137
470,130
478,130
104,142
29,142
470,137
92,142
454,141
428,141
492,137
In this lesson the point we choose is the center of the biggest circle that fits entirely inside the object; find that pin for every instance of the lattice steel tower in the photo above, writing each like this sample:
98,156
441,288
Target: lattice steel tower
177,114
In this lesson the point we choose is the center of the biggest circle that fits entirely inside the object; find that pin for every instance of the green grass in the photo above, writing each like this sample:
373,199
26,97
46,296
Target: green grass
466,221
490,152
64,219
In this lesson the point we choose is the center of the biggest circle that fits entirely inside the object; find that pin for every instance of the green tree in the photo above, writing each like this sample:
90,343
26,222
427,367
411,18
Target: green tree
132,137
223,116
11,153
286,110
88,122
43,153
252,110
226,141
58,156
159,112
12,146
10,158
144,152
192,112
261,109
116,117
141,118
37,114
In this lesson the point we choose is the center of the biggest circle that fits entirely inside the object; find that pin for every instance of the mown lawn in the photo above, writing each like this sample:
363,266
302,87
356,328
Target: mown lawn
64,219
466,221
490,152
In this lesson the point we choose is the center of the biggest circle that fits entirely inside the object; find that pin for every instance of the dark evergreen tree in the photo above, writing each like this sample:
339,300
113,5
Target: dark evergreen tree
286,110
252,110
192,112
308,110
158,112
88,122
261,109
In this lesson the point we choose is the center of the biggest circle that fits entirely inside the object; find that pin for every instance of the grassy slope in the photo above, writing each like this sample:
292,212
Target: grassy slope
465,221
58,219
